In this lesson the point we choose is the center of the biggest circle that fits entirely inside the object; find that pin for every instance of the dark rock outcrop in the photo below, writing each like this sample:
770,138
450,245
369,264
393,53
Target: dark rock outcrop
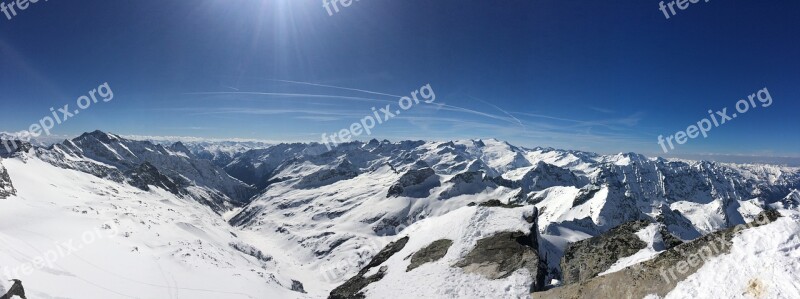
343,171
494,203
545,175
298,287
585,193
669,239
6,187
585,259
146,175
16,291
659,275
413,178
502,254
431,253
10,147
351,289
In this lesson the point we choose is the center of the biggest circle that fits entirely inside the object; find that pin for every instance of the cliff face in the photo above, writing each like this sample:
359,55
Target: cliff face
657,276
6,188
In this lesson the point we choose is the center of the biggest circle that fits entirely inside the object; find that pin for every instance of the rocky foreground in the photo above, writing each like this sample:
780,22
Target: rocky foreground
611,265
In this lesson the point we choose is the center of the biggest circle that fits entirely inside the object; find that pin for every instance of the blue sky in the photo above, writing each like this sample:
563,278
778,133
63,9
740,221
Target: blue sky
604,76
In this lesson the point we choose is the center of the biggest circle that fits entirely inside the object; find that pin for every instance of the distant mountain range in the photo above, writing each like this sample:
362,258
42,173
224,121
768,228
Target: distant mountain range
310,209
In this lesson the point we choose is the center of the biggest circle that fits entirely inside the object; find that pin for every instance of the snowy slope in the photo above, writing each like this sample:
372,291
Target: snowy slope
439,279
110,156
103,239
764,262
324,211
321,215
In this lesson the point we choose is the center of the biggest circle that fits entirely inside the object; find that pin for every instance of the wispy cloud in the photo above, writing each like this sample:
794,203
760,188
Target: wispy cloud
290,95
602,110
447,119
501,110
340,88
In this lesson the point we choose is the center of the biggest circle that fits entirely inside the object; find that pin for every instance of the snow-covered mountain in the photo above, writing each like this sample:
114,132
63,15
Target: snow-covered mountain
386,187
70,234
320,218
142,164
219,151
583,191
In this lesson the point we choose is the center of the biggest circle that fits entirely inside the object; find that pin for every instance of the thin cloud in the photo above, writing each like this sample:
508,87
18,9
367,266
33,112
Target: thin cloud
290,95
501,110
603,110
339,87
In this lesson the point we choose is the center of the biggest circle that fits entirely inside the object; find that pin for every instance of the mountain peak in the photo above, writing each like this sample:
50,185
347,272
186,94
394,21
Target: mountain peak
99,135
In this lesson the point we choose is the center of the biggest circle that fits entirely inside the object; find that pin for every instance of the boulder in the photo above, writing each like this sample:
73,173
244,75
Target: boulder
430,253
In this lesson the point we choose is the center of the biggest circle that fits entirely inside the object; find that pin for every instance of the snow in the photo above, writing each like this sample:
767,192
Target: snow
102,239
321,230
764,262
439,279
556,206
649,235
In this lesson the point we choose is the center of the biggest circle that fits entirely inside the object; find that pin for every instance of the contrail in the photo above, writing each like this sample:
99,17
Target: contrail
452,108
294,95
465,110
339,87
501,110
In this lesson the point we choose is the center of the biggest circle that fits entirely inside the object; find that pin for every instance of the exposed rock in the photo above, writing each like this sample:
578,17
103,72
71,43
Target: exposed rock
148,175
586,193
500,181
500,255
119,157
669,239
544,175
351,289
659,275
251,251
585,259
676,223
298,286
492,203
413,178
344,170
181,148
6,188
430,253
467,177
792,200
17,290
467,182
10,147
